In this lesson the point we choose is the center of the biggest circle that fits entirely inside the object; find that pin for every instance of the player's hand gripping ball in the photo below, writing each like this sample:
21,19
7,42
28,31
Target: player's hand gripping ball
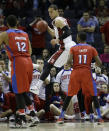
42,26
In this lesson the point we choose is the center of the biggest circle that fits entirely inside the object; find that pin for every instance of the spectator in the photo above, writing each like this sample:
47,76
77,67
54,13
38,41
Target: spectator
45,55
33,57
53,74
1,9
40,92
2,26
58,96
57,99
63,77
5,77
4,57
104,109
102,12
100,79
105,33
88,25
93,18
38,38
7,103
105,58
19,26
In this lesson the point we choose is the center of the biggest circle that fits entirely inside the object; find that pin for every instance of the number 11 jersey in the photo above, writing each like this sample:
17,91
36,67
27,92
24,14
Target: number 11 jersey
83,55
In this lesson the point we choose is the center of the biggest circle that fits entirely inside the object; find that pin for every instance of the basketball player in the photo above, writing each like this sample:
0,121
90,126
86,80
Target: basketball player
61,35
63,78
19,51
81,77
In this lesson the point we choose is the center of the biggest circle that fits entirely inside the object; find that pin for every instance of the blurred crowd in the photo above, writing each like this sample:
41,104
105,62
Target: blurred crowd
91,16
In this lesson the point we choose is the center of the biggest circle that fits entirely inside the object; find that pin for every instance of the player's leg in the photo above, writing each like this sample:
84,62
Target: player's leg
97,106
73,89
73,108
48,67
30,107
20,114
46,71
50,64
95,99
80,97
91,89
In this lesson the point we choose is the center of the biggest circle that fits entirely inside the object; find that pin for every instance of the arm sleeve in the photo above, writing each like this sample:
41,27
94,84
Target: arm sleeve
66,32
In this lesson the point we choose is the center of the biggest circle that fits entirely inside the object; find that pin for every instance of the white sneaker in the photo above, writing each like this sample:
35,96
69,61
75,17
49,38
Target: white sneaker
21,125
20,121
69,117
87,117
34,121
12,121
3,119
56,117
75,116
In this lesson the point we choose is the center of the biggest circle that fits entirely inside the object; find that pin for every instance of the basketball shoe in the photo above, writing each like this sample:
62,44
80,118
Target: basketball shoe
34,119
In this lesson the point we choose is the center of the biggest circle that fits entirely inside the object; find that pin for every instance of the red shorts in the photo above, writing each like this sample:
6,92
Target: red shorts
82,78
21,74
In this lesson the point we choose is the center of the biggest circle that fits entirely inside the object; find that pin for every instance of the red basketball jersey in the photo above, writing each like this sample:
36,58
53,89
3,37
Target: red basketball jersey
83,55
18,43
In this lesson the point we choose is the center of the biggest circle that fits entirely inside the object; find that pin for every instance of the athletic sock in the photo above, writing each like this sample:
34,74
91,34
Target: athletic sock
62,114
98,112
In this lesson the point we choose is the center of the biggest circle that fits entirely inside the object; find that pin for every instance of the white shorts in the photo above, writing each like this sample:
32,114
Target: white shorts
59,58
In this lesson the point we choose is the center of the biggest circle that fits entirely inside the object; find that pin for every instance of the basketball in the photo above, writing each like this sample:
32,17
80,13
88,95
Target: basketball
42,26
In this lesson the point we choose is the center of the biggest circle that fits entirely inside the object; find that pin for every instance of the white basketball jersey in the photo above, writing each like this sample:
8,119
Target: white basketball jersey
63,78
55,28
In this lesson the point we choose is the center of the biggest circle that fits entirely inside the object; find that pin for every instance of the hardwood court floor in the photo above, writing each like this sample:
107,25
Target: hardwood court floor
65,127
